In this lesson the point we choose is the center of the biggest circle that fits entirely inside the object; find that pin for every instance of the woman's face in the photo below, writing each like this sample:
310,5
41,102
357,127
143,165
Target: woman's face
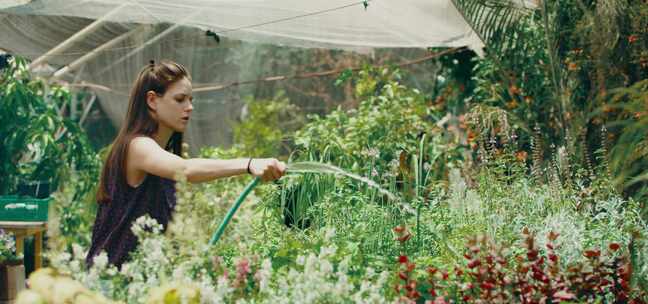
173,109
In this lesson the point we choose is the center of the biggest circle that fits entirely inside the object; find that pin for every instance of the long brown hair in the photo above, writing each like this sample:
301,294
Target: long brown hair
156,77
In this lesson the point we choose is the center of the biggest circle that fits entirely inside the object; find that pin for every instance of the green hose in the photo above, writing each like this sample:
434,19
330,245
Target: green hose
232,210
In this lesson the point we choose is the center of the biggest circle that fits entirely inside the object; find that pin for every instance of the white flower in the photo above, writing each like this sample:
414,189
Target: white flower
370,272
300,260
373,153
100,261
78,251
75,266
125,269
326,267
330,233
327,251
343,267
264,275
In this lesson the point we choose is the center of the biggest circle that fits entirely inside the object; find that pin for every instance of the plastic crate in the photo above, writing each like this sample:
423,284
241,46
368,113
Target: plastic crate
23,208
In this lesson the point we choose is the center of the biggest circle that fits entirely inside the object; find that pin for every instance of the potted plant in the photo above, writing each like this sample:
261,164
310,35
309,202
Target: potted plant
12,270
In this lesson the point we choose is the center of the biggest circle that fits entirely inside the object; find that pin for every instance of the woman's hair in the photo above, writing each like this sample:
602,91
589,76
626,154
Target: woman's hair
156,77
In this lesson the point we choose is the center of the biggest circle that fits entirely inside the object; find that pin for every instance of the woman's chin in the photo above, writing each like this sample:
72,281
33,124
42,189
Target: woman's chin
181,127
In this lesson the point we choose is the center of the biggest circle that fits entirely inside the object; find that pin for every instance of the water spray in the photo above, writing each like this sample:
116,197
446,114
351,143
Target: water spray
300,167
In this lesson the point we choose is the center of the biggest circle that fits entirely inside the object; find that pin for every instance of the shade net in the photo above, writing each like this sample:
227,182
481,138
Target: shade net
107,42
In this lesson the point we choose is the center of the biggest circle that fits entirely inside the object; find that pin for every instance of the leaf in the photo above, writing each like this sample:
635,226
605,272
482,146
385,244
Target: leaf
494,21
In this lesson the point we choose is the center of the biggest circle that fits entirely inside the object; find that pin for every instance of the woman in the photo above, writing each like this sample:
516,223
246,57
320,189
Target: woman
138,176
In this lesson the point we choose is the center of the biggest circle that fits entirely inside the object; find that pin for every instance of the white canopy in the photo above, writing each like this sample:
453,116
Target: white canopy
329,24
104,43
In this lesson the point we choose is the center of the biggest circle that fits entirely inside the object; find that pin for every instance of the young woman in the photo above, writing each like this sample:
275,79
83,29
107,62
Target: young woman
139,175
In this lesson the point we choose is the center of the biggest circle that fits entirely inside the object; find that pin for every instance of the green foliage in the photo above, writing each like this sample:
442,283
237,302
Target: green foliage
560,85
495,21
263,131
8,248
628,158
38,144
390,119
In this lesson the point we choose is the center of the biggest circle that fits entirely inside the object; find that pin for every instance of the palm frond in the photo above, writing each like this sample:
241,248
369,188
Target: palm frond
494,21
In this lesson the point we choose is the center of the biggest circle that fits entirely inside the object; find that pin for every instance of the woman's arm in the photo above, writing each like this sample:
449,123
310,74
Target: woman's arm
144,154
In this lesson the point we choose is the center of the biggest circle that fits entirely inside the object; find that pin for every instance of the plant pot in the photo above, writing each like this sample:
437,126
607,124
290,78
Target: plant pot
12,280
37,189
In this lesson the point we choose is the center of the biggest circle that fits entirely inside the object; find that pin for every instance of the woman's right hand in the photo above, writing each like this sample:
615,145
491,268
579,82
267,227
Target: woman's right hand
268,169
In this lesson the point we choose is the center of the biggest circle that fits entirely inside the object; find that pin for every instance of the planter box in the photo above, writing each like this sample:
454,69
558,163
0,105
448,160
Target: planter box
12,281
23,209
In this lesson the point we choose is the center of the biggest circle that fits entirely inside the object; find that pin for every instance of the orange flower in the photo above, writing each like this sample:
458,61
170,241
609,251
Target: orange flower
512,104
471,136
572,66
633,38
514,90
521,156
528,99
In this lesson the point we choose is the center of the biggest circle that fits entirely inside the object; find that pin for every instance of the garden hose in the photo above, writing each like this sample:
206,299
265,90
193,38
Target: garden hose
232,210
299,167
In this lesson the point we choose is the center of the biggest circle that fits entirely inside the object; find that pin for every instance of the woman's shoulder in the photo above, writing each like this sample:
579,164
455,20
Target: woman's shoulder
142,145
140,139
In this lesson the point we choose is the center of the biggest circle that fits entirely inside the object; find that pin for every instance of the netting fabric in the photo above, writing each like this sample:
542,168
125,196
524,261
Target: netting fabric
105,43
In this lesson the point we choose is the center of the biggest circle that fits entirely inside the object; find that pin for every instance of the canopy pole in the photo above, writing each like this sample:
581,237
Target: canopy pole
149,42
86,110
74,38
94,53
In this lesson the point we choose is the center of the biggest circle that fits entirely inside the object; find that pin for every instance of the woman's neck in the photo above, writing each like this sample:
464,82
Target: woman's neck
162,136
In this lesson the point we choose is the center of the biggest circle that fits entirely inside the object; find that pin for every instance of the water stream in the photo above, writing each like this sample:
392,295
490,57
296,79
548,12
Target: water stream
315,167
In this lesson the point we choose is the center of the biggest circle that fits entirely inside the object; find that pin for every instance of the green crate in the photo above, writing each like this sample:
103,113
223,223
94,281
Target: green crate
23,209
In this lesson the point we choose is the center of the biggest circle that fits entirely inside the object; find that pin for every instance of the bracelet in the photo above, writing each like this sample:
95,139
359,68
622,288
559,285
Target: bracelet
248,166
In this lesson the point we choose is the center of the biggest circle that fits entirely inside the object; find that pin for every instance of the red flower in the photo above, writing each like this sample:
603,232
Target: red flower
563,295
487,285
402,275
474,263
553,258
413,294
404,238
431,270
614,246
399,229
410,267
633,38
592,253
553,236
402,259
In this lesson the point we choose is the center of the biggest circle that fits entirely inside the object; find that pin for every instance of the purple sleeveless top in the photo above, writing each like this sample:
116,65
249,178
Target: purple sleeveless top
111,233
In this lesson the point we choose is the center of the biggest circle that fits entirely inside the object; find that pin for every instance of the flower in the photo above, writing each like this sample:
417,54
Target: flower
372,153
100,261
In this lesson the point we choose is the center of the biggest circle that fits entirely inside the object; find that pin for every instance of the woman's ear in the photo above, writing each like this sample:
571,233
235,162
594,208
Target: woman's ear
151,100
